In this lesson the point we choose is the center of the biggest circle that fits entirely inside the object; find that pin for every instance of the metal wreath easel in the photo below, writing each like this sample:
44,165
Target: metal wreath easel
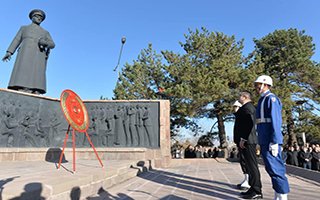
76,115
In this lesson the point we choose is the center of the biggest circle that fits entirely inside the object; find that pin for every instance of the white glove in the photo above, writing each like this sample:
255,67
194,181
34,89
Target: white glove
274,148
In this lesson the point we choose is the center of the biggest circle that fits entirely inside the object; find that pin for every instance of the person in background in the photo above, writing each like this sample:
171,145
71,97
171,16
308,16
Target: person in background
220,153
305,157
300,159
234,153
285,154
315,161
189,152
205,152
292,156
198,152
215,152
211,152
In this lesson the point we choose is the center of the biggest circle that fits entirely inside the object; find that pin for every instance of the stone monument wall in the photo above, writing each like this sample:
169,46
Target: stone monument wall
33,127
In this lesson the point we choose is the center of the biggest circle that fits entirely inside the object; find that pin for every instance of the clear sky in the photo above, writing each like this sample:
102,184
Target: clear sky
88,33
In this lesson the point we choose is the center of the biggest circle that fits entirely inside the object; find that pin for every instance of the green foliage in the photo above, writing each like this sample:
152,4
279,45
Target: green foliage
208,138
285,55
103,98
309,123
205,80
142,79
205,141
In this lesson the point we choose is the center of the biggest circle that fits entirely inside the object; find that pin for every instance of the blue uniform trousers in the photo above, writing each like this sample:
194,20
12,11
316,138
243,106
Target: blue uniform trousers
276,170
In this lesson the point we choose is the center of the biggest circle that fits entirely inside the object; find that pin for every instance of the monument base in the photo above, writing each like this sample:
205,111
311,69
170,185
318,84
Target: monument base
52,154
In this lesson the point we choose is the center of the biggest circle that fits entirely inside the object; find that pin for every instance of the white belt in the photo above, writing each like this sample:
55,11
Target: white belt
263,120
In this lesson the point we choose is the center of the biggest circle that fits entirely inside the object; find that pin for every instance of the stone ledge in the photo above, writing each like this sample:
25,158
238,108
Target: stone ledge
57,99
30,179
29,94
106,154
308,174
14,150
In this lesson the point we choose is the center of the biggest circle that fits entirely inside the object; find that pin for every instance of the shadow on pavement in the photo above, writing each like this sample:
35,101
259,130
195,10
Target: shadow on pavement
75,193
188,183
5,181
172,197
31,191
104,195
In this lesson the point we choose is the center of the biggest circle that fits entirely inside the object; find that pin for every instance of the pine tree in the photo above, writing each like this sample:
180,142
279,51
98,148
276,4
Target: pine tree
206,78
142,79
285,55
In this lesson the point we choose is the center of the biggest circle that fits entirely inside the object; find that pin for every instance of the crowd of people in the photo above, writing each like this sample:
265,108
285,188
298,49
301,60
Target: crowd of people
197,151
307,156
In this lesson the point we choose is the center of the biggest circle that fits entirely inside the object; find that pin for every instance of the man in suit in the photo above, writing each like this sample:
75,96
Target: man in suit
33,44
248,142
236,138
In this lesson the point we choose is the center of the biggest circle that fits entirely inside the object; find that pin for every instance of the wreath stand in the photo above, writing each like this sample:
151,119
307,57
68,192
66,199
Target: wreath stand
77,117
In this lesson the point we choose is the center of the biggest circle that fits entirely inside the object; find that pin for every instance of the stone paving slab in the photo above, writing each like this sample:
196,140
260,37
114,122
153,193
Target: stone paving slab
185,179
31,180
199,179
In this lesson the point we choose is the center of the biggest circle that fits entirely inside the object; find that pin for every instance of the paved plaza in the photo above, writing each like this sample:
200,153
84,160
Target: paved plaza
200,179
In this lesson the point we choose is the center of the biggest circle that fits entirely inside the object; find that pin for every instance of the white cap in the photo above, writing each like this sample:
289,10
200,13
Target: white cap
237,103
264,79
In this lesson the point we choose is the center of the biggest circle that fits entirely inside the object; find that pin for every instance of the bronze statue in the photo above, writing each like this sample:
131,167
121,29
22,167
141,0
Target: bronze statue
33,44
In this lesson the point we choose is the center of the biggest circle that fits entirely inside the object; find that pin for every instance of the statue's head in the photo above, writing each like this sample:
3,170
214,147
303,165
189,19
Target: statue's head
37,12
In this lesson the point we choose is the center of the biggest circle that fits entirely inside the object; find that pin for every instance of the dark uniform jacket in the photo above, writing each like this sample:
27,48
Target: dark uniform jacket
245,124
305,155
315,161
236,136
292,158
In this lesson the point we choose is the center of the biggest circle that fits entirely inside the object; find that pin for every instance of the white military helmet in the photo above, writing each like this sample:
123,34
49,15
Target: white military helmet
265,79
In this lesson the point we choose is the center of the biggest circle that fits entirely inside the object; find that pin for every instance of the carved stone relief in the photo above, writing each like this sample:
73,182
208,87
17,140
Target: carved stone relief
27,121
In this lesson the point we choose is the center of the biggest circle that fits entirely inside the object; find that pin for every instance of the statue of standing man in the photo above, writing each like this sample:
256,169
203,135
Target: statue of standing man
33,44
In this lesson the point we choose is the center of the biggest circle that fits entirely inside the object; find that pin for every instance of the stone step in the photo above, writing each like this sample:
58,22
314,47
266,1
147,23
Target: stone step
35,179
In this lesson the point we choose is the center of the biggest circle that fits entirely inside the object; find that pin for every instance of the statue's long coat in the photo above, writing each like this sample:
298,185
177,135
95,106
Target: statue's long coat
30,66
